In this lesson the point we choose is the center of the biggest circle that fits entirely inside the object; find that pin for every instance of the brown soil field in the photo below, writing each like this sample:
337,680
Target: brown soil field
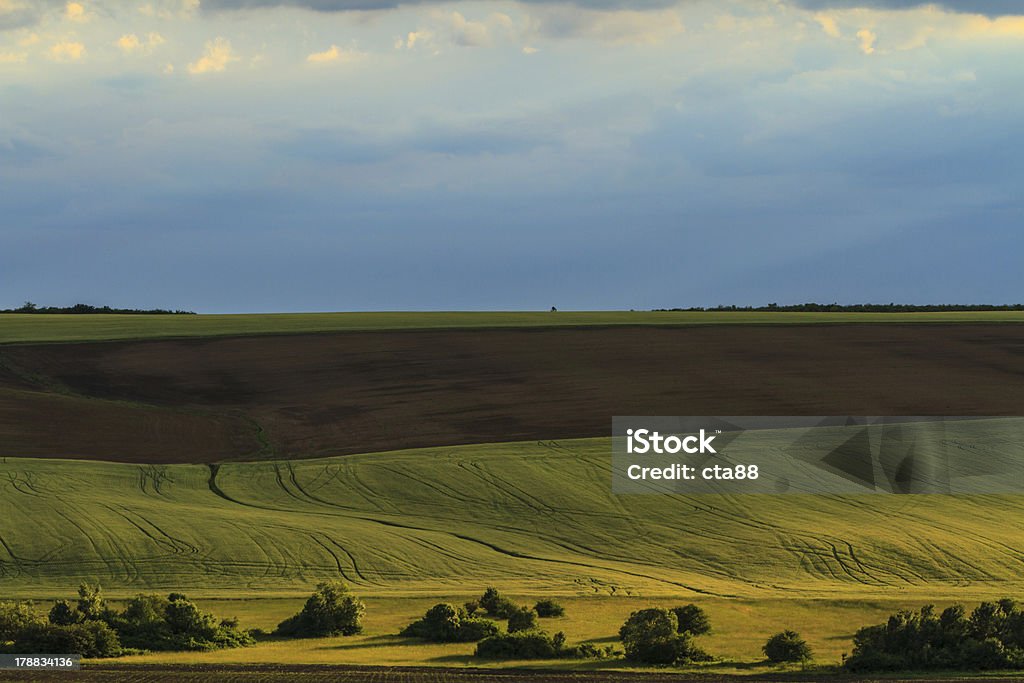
215,399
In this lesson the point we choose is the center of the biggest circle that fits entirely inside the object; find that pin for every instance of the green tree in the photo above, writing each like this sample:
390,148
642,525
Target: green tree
522,619
787,646
332,610
692,619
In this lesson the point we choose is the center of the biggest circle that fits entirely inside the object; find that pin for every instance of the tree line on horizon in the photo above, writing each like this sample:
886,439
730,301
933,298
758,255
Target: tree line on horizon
83,309
848,308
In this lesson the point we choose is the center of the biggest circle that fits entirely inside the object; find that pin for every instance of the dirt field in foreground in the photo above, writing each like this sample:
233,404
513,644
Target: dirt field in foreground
204,400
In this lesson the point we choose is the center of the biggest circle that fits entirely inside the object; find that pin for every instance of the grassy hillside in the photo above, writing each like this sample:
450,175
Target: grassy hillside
16,328
532,517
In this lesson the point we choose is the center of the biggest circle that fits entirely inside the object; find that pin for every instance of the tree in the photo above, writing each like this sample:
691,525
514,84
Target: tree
692,619
91,603
549,608
651,636
16,616
787,646
522,619
63,614
330,611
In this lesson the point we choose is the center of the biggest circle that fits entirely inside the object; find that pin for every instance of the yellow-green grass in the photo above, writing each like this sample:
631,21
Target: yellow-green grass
740,628
534,518
24,328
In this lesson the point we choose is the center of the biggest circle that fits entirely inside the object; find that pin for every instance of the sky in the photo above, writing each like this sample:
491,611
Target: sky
320,155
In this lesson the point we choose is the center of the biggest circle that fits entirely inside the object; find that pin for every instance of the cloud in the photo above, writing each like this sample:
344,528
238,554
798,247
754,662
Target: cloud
867,41
130,42
22,13
363,5
215,58
468,33
990,8
13,57
616,26
67,51
75,11
336,54
828,24
423,37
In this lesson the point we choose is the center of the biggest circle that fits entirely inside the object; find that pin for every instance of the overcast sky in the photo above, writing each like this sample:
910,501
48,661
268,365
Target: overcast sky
288,155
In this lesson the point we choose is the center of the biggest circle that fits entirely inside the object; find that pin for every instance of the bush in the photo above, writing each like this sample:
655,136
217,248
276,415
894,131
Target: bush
692,619
88,639
651,636
518,645
787,646
472,629
330,611
548,608
495,605
440,624
443,623
522,619
991,638
15,617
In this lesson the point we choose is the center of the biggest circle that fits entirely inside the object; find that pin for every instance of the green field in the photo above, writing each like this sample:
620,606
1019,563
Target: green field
19,328
533,517
407,529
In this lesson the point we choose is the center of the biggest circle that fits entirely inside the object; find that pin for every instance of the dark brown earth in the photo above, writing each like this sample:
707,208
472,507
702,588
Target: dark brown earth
205,400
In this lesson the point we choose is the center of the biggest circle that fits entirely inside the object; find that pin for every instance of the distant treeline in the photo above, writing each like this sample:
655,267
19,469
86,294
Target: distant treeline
85,309
854,308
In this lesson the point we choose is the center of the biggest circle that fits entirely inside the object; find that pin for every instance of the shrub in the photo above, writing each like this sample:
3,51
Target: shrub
443,623
472,629
787,646
89,639
330,611
518,645
692,619
495,605
990,638
15,617
440,624
522,619
651,636
548,608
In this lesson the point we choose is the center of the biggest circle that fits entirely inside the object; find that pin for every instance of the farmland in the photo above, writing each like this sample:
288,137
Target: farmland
535,517
303,396
242,466
15,328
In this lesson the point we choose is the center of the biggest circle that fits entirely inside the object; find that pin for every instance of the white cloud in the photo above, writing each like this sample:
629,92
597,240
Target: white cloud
422,37
469,33
215,58
13,57
75,11
828,24
530,50
130,42
867,41
336,54
67,51
29,40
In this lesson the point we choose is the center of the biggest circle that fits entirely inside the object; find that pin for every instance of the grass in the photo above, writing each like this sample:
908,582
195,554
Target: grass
20,328
535,518
740,629
410,528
